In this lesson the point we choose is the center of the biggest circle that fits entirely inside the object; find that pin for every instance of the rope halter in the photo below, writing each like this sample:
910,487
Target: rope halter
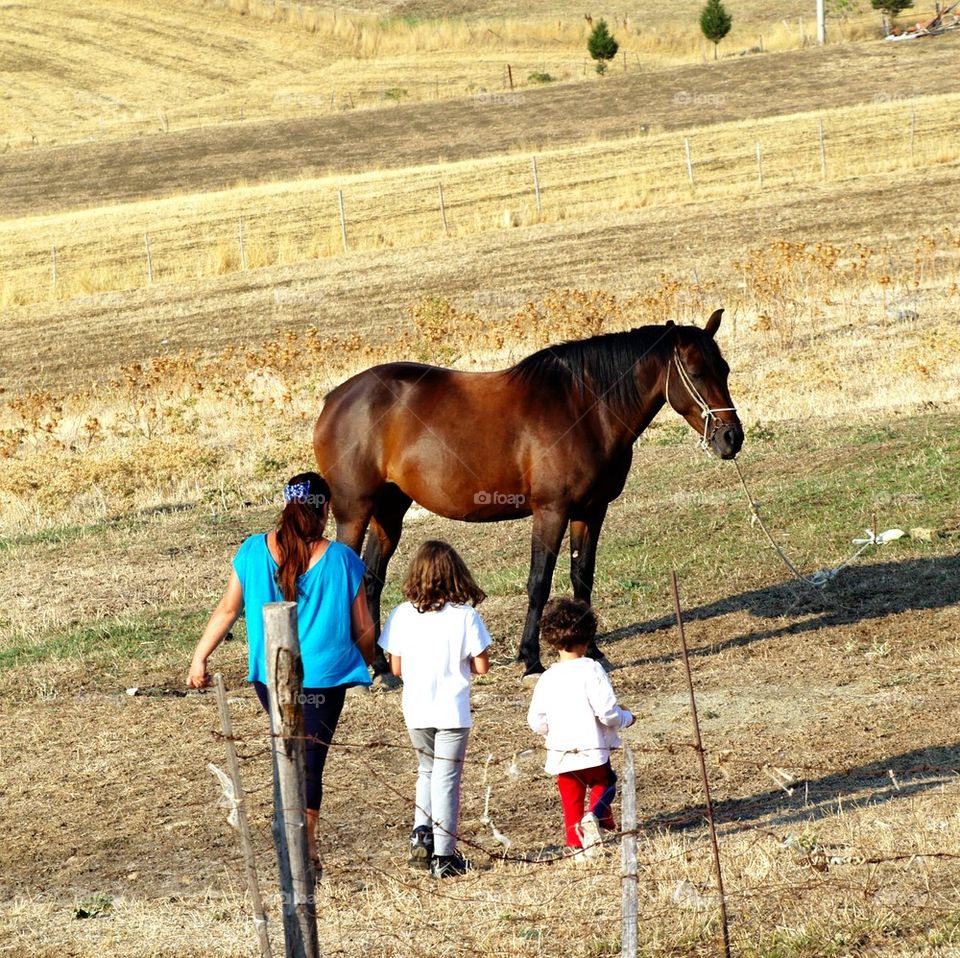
710,422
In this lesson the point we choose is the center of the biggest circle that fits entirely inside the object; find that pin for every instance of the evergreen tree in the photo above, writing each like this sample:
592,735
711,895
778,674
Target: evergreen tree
890,9
715,22
602,46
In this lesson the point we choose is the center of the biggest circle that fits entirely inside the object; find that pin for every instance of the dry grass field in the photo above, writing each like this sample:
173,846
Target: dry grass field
108,70
47,179
145,429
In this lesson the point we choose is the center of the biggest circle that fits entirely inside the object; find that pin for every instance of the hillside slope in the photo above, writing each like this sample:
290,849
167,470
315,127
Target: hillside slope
98,173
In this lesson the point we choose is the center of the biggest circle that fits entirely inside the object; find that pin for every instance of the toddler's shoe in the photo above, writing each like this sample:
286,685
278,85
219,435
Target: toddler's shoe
449,866
590,832
421,847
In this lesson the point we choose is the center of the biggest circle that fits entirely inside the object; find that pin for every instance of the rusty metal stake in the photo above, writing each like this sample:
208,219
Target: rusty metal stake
698,745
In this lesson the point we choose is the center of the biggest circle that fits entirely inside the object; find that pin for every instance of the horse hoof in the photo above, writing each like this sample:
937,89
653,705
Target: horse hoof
530,679
385,682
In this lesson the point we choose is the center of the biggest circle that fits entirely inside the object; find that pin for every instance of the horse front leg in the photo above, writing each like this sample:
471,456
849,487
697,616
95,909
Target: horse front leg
584,536
386,526
548,529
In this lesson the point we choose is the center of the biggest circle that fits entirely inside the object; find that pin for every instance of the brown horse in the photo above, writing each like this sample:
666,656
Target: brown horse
550,437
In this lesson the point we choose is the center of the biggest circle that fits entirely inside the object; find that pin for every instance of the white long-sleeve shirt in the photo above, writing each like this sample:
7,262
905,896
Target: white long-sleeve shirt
575,707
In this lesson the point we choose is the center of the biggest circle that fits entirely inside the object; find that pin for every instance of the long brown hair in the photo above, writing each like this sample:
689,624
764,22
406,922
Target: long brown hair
438,575
299,527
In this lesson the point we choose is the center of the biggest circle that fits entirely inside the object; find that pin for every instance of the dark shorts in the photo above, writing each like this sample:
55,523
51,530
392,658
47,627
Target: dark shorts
321,713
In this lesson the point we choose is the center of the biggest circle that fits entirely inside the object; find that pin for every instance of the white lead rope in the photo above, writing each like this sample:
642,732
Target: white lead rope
820,578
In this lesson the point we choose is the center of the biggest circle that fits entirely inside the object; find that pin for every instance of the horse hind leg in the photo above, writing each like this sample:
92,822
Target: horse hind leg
386,527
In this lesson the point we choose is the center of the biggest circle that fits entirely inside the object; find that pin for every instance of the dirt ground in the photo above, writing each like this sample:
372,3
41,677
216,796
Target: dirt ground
829,722
829,719
44,180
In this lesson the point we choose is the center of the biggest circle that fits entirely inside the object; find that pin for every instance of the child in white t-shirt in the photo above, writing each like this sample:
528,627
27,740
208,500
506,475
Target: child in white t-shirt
435,641
575,708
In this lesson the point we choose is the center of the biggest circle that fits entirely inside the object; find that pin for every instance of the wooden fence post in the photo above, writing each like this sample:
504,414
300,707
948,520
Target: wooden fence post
243,248
686,150
343,221
246,841
759,165
536,181
285,688
146,243
443,208
54,261
628,857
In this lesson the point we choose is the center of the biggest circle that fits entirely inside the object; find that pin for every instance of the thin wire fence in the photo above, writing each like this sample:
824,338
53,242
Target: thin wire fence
193,237
360,751
674,849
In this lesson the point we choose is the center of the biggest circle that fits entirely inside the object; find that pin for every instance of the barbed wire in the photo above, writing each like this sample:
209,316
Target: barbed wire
721,757
672,881
489,760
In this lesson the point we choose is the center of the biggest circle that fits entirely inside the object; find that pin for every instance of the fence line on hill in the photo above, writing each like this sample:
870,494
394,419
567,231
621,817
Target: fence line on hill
111,116
397,208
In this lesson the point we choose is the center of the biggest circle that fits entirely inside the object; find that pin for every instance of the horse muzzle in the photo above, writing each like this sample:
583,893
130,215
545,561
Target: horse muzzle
727,439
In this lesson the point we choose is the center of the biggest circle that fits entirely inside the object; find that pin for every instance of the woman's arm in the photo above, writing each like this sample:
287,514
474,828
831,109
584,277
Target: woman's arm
480,664
361,626
224,615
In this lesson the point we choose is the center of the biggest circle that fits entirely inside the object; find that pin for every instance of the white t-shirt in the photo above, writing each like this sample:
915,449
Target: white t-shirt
575,707
435,649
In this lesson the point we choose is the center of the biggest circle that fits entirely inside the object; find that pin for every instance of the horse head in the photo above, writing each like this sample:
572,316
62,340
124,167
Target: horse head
695,385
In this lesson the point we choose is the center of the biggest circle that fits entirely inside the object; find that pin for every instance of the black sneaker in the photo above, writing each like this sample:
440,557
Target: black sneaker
421,847
449,866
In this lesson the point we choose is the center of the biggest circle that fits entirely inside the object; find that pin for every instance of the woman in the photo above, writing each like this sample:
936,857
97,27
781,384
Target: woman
297,563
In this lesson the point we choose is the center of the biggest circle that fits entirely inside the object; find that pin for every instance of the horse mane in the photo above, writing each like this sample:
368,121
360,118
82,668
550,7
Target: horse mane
601,364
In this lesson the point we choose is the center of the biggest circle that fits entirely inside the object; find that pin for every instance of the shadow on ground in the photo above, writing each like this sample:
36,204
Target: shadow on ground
859,593
897,777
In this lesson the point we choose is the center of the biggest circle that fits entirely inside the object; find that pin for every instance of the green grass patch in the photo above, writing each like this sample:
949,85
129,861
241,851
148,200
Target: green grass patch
142,637
56,535
817,490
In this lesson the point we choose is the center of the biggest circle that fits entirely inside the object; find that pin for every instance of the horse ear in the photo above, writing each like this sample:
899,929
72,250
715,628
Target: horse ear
713,323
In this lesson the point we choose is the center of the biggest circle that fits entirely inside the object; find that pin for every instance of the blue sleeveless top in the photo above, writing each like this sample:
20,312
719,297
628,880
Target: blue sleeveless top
325,595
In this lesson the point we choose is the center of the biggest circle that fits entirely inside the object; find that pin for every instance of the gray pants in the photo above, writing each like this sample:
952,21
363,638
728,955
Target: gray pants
440,754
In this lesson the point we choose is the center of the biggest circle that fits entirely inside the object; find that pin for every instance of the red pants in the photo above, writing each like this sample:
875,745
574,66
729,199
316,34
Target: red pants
573,786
